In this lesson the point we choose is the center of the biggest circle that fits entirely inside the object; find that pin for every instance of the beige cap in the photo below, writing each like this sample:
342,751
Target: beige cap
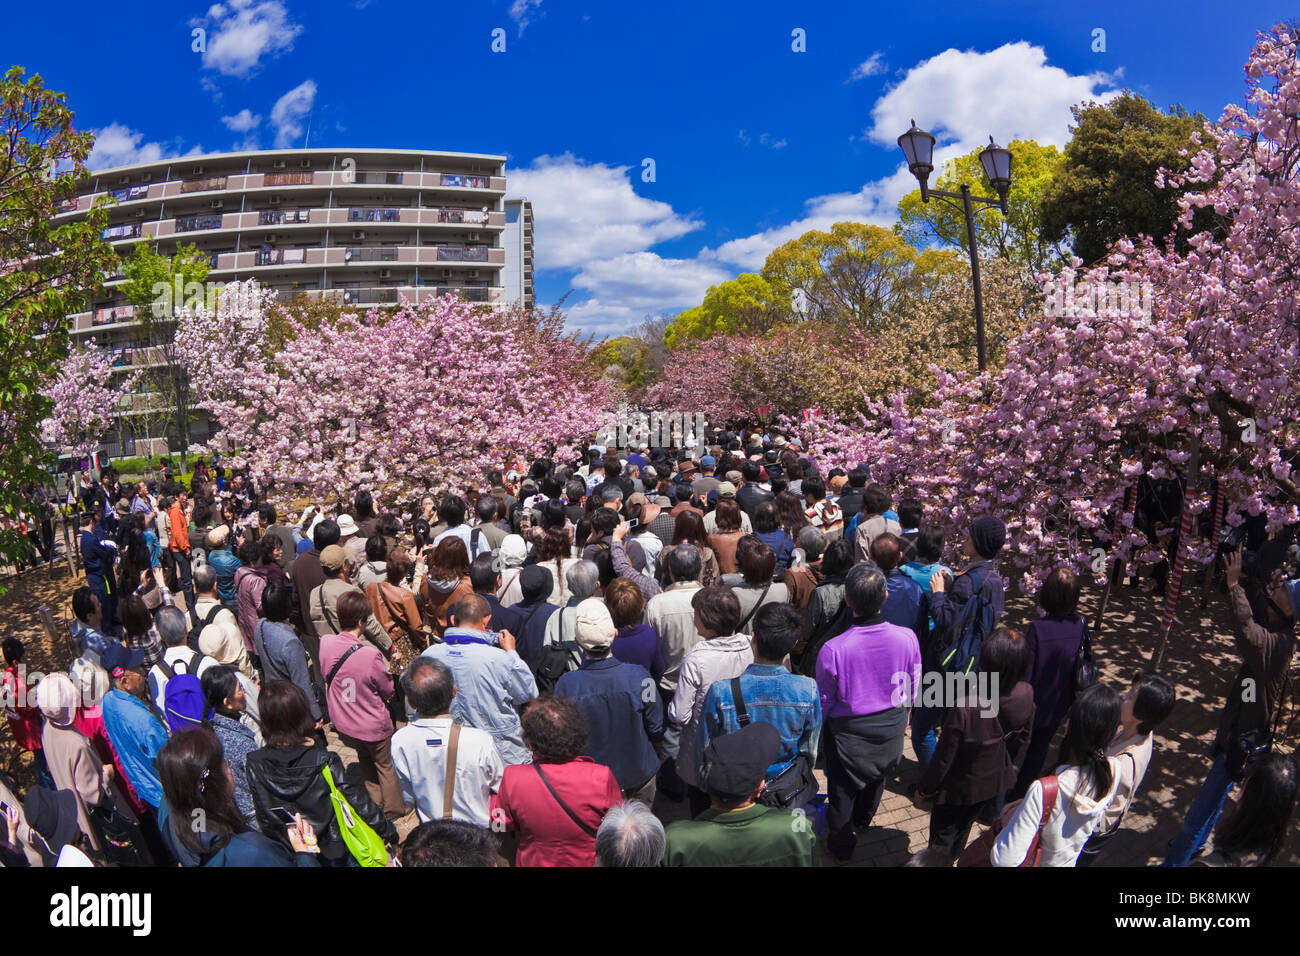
218,536
726,490
593,627
333,557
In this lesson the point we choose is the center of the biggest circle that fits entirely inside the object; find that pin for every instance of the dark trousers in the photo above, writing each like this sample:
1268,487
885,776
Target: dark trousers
1031,769
950,825
107,601
847,805
186,582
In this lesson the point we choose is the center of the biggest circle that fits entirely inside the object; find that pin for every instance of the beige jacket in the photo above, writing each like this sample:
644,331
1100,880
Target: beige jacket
324,603
74,765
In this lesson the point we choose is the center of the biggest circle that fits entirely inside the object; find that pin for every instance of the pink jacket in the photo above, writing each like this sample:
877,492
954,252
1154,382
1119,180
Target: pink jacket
359,692
249,585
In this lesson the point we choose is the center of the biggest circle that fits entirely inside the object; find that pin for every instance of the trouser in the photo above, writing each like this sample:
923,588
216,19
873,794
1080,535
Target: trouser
47,538
186,582
376,760
855,786
1202,816
950,825
925,738
107,601
1040,742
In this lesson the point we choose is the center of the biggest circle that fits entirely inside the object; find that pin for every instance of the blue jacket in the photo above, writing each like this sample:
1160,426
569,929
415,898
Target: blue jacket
98,553
773,695
137,734
907,605
110,651
244,849
624,717
224,565
782,544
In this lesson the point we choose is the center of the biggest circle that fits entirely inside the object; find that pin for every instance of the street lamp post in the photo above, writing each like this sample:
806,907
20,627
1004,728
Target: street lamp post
918,147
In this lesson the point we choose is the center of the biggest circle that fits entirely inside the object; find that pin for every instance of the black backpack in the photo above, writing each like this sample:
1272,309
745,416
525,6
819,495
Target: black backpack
197,629
959,651
556,660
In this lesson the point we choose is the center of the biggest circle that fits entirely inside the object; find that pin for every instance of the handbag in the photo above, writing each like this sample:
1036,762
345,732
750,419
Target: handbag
980,852
1246,750
795,786
1085,665
365,845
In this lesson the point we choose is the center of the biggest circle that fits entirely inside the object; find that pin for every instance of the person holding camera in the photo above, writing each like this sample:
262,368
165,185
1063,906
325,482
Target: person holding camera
1265,640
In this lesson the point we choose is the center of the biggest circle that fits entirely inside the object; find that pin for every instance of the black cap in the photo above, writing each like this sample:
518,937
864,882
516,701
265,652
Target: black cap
536,583
735,764
52,814
988,534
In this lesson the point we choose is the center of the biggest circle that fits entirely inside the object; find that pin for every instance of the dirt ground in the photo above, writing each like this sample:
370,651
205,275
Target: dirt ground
1200,660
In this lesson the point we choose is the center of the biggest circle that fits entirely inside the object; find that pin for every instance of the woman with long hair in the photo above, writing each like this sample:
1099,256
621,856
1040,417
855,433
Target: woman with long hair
1253,834
554,551
1085,785
790,513
724,540
767,526
198,785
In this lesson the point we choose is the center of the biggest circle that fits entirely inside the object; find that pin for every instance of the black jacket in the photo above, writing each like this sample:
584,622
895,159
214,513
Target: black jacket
291,778
749,497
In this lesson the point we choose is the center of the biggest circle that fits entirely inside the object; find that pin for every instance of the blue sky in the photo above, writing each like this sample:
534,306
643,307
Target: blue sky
753,143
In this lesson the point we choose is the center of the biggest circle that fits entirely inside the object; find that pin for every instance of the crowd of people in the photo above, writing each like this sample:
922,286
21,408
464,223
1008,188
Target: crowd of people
633,659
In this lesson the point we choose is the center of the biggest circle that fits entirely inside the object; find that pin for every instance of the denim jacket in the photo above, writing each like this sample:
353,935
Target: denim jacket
224,565
773,695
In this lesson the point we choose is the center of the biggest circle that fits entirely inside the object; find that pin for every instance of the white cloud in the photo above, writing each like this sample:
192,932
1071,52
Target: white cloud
964,96
869,67
243,121
587,211
765,139
288,112
241,32
118,145
521,12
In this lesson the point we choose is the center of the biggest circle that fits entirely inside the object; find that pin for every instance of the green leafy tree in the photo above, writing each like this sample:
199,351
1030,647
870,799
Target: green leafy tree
746,303
1106,187
854,274
51,270
159,286
1016,237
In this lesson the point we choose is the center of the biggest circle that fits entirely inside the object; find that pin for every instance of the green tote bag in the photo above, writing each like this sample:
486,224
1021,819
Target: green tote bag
362,841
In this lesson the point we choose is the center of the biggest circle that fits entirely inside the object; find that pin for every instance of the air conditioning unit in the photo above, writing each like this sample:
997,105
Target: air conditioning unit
272,237
146,178
278,164
358,235
473,273
124,181
385,273
217,203
139,214
275,200
305,164
473,236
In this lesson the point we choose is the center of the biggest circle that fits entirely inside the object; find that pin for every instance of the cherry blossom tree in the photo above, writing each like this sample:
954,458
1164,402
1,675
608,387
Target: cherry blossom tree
428,396
86,397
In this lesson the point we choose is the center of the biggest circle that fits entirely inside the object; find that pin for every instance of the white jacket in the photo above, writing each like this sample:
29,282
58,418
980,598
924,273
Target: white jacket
1075,816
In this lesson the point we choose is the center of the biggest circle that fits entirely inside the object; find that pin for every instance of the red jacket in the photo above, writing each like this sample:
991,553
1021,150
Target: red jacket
547,836
24,720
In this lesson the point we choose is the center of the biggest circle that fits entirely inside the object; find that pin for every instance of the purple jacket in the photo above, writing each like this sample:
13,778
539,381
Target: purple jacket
1054,645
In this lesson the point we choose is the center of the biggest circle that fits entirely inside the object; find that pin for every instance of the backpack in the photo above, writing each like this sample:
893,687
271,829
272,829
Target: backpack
556,659
197,630
183,703
959,652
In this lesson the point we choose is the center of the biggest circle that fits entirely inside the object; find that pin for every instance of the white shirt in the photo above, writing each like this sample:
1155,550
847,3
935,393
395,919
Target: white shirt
1072,820
419,752
464,531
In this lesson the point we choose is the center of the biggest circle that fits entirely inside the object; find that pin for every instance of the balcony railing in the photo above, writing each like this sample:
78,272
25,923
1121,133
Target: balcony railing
374,214
275,257
468,294
289,179
114,314
458,179
377,177
128,231
203,184
462,253
277,217
128,192
195,223
476,216
370,254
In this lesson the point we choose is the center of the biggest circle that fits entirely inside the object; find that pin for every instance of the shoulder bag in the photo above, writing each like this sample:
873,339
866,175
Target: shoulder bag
795,786
586,828
365,845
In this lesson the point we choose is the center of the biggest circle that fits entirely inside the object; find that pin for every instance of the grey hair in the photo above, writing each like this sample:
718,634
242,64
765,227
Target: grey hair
582,579
205,579
610,493
630,835
171,626
813,542
683,561
864,589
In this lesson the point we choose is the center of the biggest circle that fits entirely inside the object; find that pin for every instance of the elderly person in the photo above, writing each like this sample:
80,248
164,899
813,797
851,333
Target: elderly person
323,603
69,756
672,614
221,637
865,709
557,803
721,654
513,553
623,721
582,579
630,835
